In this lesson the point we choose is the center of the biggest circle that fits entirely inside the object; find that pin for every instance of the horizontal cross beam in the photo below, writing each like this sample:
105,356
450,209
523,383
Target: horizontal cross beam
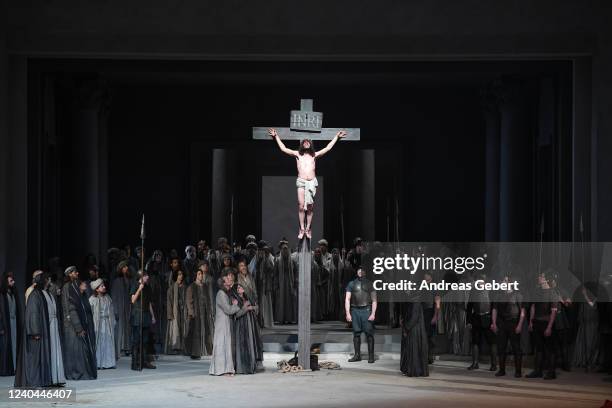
261,133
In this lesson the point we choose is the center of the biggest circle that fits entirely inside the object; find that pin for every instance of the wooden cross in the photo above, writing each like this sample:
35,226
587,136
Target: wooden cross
305,124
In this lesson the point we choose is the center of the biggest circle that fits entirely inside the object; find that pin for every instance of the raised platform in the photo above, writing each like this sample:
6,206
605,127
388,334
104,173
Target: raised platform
330,337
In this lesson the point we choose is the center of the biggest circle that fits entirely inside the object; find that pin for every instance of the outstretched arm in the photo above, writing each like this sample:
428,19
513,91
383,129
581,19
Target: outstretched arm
272,132
331,144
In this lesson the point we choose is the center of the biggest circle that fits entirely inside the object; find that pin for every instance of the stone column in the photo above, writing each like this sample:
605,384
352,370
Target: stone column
91,163
17,170
490,101
515,163
4,141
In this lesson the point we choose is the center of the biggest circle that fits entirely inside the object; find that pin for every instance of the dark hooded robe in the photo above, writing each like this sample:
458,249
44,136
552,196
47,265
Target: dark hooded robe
176,314
11,327
79,351
155,270
34,365
322,287
122,306
264,283
199,311
248,348
285,284
414,349
315,293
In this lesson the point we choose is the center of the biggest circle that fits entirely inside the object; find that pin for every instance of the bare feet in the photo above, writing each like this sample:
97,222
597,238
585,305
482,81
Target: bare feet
301,234
309,233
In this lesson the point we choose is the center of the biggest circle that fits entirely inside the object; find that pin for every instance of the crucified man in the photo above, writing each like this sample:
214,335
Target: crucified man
306,180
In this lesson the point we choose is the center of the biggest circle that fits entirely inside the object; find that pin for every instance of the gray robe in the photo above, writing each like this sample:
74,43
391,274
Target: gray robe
222,361
199,305
104,323
57,360
176,314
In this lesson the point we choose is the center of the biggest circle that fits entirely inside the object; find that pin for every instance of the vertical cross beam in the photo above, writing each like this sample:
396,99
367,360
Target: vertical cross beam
304,266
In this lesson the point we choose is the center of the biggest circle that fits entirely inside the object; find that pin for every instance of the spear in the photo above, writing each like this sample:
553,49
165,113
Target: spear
142,255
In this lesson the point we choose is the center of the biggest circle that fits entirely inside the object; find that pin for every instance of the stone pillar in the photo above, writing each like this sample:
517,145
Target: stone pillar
17,170
91,162
490,102
4,141
368,195
515,163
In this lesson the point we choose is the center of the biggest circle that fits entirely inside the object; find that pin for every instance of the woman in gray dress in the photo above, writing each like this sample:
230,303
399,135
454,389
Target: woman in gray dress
222,362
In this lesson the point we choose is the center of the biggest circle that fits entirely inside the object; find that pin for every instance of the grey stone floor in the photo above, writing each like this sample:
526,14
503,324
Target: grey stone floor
181,382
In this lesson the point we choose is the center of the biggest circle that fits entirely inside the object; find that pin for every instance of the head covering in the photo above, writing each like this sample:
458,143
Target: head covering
262,244
122,265
96,284
69,270
37,277
188,247
323,242
283,242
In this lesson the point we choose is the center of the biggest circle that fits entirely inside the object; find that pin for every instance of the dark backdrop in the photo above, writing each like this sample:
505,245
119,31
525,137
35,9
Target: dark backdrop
428,133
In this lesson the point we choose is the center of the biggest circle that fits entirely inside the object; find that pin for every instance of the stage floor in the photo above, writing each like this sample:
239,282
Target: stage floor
180,382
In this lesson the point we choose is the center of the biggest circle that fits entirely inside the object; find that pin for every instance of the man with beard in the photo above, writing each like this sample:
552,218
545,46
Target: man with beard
190,263
250,251
141,319
285,276
57,359
34,367
320,275
306,182
264,283
360,306
120,292
202,250
199,316
508,315
542,317
79,338
10,325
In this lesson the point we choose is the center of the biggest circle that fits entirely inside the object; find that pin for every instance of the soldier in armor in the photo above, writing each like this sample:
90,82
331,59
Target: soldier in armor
508,315
542,317
360,307
479,319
